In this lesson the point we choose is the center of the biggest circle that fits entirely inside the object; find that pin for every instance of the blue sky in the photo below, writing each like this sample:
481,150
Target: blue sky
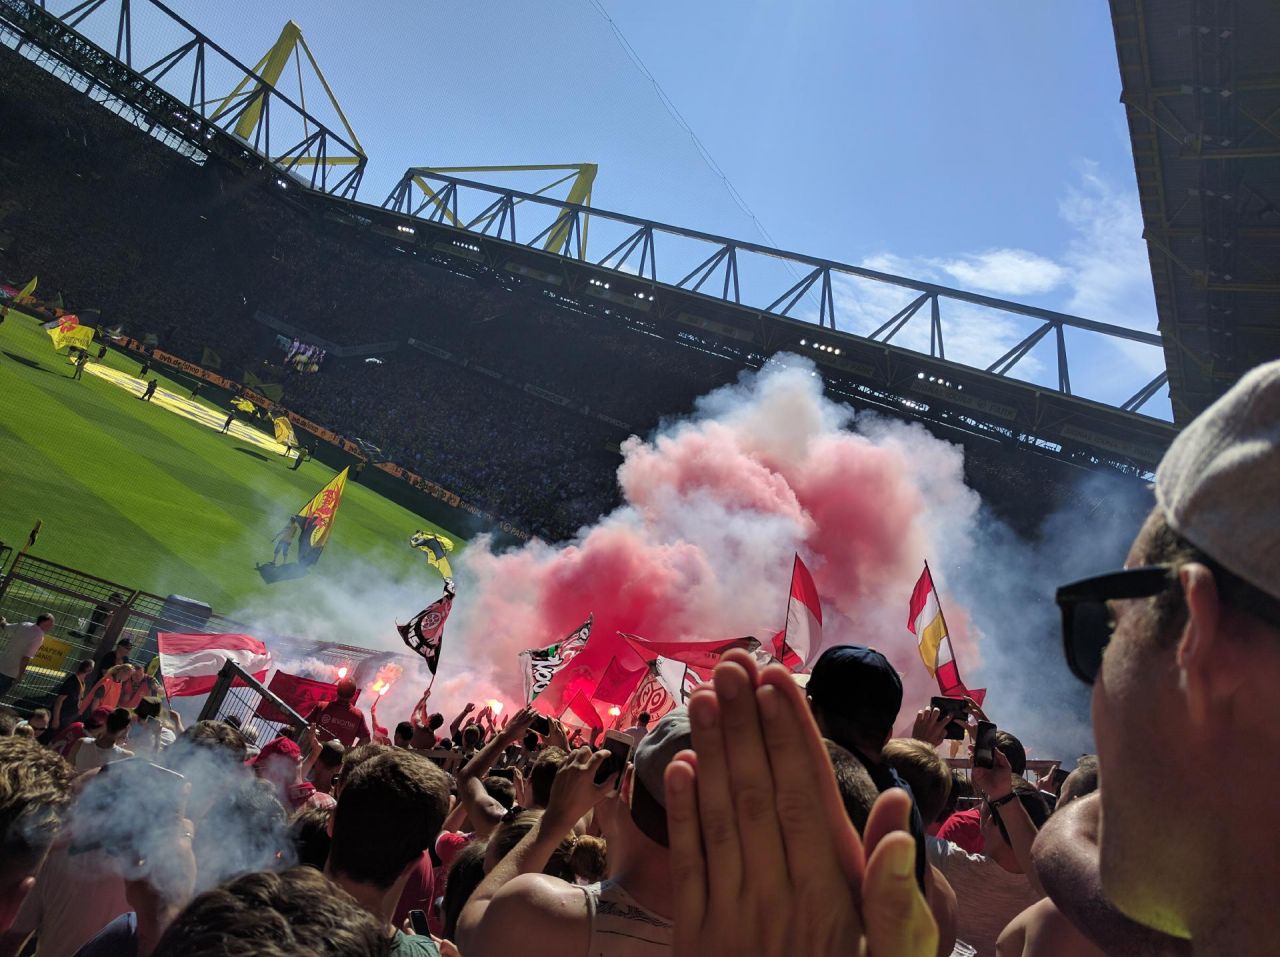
980,145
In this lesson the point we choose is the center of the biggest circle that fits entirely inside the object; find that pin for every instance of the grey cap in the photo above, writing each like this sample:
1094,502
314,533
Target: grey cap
1218,484
665,740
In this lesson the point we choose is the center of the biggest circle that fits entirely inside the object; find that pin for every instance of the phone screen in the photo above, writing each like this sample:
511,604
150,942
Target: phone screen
984,745
619,745
956,708
419,921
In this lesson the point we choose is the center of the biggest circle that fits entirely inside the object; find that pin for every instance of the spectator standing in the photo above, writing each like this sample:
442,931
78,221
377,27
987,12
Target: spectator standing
625,915
35,792
89,753
641,727
340,718
855,695
389,812
71,694
1183,697
21,644
116,656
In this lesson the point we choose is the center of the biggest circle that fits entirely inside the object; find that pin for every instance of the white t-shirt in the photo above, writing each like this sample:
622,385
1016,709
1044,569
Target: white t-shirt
91,756
987,896
20,641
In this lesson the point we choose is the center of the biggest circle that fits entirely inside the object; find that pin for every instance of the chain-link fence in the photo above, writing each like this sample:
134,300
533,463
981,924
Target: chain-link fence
91,615
239,699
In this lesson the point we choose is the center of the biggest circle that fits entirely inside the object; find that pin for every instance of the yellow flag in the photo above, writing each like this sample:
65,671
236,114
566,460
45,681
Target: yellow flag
67,331
284,431
316,519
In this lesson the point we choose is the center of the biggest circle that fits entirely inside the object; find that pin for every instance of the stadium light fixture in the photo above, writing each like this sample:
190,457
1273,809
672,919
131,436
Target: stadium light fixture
407,230
803,343
919,375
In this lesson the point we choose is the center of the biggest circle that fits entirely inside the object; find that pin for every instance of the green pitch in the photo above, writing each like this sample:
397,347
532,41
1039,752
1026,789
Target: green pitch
134,493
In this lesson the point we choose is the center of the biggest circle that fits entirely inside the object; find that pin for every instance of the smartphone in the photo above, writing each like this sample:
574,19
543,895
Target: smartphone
419,921
541,724
956,708
619,745
984,745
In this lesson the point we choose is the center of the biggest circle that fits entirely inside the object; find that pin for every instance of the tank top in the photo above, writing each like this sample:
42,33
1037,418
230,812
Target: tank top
622,928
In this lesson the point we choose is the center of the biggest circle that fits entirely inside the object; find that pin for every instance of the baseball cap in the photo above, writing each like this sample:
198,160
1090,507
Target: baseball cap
1217,483
665,740
857,684
97,717
281,747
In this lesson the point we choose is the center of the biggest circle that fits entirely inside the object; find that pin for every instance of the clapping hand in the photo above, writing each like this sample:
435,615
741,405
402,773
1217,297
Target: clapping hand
764,859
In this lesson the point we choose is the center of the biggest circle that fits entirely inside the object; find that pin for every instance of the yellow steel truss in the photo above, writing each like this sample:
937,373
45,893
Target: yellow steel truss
270,68
582,174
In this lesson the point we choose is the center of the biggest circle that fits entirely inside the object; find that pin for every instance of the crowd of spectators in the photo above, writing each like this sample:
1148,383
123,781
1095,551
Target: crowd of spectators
772,813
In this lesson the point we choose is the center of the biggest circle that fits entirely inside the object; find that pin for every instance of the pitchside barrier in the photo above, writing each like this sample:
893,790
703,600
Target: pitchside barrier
90,615
240,697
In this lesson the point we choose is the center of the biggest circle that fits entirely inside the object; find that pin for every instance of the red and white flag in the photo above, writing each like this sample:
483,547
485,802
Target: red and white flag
925,621
796,643
189,663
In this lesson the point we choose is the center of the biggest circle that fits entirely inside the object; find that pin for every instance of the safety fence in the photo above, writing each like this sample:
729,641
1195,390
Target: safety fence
91,615
240,699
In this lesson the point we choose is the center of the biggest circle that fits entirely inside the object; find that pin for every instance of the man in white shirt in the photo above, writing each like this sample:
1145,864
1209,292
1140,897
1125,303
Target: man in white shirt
640,729
19,646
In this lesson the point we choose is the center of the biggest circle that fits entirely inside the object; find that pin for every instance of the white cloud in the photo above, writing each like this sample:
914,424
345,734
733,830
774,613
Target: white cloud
1006,272
1102,273
1110,273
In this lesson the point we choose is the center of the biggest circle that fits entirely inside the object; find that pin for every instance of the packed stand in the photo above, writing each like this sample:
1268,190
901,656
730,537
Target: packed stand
191,254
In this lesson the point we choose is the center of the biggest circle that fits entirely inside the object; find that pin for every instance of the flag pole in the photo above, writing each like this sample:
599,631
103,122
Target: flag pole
946,631
786,617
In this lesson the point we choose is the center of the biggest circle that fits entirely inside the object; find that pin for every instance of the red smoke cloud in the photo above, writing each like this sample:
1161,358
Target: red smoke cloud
715,508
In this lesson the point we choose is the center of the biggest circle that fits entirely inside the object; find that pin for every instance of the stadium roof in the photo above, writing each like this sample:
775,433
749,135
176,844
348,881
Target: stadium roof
1201,86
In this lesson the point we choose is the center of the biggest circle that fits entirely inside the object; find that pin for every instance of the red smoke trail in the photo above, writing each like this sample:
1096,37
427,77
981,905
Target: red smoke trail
715,508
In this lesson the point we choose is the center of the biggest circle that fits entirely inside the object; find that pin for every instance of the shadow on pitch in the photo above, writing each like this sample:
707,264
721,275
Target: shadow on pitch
29,363
283,573
256,455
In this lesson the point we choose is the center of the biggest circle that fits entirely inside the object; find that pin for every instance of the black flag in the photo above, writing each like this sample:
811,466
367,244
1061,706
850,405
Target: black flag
425,631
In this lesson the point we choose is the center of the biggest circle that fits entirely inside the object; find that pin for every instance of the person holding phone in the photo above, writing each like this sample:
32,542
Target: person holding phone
627,914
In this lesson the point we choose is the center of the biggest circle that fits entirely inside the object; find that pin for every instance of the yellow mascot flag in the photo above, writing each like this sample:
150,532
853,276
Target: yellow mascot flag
67,331
284,431
315,519
435,547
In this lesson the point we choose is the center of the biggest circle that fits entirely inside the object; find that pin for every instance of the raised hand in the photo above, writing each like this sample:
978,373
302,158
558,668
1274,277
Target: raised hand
574,791
764,859
930,726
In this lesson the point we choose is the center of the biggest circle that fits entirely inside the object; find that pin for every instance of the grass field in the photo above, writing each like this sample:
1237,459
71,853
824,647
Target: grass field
135,493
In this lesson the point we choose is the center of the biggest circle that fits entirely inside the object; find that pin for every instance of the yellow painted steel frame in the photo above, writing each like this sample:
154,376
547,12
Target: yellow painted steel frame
270,68
582,174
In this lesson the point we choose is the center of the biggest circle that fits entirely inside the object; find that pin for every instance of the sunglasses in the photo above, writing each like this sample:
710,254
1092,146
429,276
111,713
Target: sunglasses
1086,620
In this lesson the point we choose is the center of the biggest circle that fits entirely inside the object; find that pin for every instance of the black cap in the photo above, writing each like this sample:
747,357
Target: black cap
857,684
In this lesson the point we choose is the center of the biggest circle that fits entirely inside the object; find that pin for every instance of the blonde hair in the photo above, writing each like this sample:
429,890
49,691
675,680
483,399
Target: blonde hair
923,768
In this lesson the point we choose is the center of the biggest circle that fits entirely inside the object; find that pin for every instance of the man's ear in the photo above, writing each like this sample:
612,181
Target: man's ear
1204,662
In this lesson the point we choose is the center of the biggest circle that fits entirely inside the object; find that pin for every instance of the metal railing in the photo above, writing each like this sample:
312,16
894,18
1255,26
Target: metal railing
178,78
645,256
240,699
90,615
